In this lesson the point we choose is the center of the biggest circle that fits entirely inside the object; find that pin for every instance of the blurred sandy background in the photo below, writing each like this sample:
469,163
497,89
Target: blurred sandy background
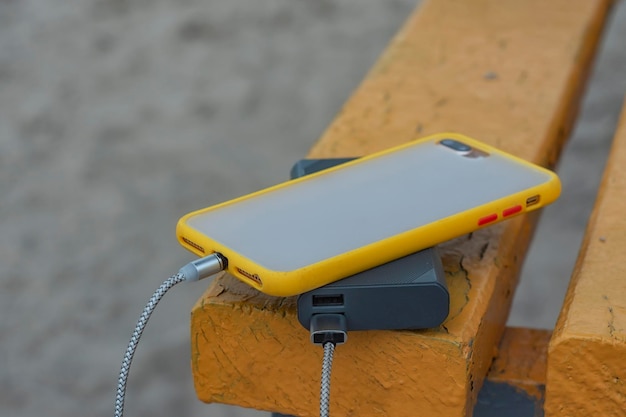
119,116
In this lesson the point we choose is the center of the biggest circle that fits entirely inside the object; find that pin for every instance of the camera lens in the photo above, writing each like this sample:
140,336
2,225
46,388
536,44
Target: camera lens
456,145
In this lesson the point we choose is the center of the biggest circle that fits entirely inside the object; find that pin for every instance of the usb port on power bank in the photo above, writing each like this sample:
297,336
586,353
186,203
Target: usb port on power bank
327,300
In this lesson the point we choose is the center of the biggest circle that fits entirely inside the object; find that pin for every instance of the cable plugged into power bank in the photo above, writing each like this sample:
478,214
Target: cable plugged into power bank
408,293
327,330
193,271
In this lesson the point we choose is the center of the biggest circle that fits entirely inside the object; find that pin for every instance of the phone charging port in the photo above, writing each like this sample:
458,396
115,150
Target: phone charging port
531,201
327,300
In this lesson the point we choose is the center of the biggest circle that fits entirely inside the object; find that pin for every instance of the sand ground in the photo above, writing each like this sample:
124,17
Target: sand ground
117,117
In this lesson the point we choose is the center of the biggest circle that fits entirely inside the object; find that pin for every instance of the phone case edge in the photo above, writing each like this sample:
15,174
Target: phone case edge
282,283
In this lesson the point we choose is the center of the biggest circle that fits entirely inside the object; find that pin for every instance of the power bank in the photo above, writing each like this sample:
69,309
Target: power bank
407,293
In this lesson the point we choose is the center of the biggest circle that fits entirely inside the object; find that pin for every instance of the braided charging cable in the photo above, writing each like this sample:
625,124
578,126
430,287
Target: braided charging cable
327,364
132,345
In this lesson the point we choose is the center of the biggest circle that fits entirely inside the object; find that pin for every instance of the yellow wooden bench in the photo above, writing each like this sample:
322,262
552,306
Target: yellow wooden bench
587,354
507,72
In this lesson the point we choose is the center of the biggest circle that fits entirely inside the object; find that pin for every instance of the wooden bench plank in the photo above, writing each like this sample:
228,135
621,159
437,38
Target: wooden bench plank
586,365
515,384
507,72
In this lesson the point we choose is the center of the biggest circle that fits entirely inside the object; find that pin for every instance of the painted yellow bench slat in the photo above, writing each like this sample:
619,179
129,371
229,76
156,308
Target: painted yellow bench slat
507,72
587,354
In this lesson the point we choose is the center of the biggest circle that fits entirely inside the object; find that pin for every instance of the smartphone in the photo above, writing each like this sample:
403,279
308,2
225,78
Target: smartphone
317,229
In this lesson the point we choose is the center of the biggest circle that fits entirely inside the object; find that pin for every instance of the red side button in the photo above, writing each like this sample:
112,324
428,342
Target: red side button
511,210
487,219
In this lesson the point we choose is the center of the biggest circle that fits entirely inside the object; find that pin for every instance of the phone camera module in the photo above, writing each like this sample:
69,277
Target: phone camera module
455,145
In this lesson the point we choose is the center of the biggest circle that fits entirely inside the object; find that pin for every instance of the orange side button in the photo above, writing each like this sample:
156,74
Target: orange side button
487,219
511,210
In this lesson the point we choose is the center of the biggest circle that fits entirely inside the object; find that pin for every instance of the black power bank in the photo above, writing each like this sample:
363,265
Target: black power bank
407,293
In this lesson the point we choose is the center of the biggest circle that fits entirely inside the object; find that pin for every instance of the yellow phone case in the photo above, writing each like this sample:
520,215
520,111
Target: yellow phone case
264,275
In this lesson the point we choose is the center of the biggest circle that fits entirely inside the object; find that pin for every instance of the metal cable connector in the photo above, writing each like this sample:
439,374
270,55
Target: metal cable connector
328,328
204,267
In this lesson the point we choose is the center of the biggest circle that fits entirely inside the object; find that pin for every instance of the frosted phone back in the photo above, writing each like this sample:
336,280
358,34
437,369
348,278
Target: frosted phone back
305,233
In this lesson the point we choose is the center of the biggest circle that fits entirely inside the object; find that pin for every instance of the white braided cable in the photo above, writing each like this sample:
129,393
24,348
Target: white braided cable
327,364
132,345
